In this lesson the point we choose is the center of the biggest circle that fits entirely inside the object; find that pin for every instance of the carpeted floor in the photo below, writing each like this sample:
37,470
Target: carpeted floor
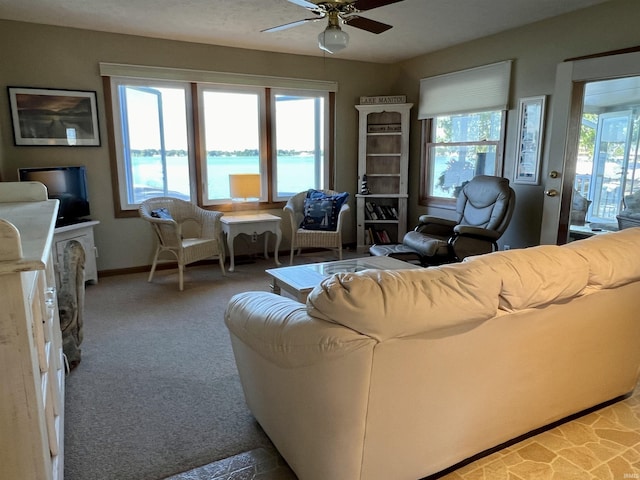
157,391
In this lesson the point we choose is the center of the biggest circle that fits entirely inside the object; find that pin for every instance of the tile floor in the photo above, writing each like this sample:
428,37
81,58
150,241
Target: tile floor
602,445
258,464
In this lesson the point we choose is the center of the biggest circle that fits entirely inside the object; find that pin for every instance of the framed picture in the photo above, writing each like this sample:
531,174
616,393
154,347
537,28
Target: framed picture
531,112
54,117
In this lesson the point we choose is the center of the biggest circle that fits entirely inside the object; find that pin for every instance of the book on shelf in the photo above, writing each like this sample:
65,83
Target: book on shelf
371,237
369,212
389,212
377,236
379,212
384,236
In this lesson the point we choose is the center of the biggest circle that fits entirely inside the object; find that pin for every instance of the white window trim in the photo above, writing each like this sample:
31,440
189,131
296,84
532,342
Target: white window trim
205,76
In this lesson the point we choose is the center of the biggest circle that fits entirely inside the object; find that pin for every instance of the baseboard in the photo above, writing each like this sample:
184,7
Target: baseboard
239,259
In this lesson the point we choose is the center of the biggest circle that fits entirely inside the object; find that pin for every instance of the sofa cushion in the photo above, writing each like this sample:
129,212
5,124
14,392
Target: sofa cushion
608,257
536,276
385,304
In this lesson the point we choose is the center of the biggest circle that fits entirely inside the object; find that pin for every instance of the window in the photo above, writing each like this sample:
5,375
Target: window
161,148
233,129
153,144
300,142
463,130
459,147
607,168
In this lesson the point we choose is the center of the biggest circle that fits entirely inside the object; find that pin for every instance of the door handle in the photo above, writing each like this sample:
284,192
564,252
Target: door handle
551,193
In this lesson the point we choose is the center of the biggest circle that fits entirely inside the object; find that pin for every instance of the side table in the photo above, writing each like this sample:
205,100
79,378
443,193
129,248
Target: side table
233,225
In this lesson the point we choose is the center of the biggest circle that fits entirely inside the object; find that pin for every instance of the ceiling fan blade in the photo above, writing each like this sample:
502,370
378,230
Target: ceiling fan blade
290,25
367,24
305,4
364,5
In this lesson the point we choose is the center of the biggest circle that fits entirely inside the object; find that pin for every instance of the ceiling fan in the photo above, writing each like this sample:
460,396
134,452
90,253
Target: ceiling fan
332,39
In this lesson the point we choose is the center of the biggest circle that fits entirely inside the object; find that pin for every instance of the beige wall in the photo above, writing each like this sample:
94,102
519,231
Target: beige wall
536,49
42,56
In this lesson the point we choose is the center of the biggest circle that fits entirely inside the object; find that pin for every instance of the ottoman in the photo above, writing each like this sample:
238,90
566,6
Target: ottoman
397,251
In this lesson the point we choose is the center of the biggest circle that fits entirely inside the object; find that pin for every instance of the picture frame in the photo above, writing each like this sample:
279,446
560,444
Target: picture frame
531,113
50,117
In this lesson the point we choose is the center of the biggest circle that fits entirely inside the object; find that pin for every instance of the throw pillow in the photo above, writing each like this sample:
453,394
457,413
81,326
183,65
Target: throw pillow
321,210
161,213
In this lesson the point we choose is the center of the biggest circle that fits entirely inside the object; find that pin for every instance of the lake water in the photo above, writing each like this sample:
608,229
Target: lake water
295,173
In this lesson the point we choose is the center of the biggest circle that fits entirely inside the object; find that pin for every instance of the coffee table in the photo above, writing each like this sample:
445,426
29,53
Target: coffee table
299,280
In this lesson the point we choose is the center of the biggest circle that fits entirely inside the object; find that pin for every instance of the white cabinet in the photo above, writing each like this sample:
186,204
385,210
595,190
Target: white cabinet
32,374
383,156
83,233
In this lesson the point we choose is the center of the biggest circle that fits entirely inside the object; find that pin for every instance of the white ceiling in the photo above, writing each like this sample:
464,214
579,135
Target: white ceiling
420,26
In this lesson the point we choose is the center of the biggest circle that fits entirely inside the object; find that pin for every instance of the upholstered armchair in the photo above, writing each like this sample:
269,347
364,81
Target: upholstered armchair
484,208
184,230
306,230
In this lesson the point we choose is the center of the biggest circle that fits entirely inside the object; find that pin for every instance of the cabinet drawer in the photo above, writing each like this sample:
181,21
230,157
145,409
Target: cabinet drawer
38,333
49,413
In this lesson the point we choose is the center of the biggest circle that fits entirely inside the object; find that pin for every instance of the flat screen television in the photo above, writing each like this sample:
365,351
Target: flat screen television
67,184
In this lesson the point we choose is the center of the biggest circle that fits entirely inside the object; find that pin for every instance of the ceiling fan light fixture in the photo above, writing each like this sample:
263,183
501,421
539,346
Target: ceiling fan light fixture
332,39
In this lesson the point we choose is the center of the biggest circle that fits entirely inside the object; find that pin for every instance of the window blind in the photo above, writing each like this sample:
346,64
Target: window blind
474,90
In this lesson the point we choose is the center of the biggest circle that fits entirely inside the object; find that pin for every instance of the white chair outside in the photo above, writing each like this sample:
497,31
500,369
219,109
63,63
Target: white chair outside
302,238
171,219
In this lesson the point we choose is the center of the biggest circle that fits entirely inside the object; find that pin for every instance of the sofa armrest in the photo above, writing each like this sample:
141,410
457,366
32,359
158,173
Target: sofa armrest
280,330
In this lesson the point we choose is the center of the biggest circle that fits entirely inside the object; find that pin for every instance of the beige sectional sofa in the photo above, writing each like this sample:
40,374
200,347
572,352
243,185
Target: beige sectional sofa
392,375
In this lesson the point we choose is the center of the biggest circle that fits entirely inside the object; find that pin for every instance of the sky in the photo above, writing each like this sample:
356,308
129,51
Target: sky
235,129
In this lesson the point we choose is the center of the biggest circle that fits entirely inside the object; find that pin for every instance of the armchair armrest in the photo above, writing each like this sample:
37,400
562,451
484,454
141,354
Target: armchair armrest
341,214
476,232
210,221
435,226
294,217
169,231
429,219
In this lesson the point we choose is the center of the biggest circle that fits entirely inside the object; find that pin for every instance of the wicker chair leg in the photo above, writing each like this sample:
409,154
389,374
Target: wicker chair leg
154,264
181,275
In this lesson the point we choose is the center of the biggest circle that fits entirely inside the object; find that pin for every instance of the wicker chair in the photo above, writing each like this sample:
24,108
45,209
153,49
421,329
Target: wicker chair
172,219
629,217
302,238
